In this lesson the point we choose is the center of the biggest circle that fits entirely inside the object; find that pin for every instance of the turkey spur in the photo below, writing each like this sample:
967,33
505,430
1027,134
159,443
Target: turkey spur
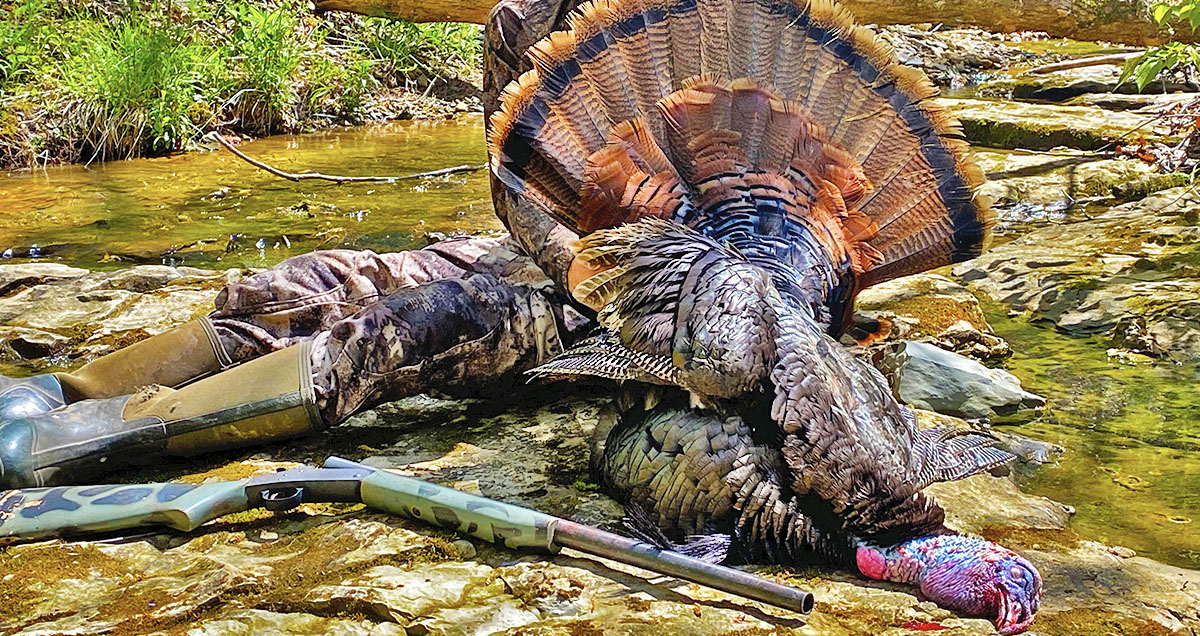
737,171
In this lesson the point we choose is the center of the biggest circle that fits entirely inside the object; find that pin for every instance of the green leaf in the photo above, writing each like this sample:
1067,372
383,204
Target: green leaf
1161,13
1130,66
1194,56
1146,72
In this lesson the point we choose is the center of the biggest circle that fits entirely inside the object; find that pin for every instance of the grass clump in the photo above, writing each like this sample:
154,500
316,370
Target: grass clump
134,87
93,80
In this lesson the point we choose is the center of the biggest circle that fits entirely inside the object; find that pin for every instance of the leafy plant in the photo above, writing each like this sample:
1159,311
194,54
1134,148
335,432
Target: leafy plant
134,84
122,78
434,48
264,54
1156,60
25,41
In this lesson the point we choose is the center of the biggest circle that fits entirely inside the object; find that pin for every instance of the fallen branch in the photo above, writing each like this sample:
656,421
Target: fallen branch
293,176
1095,60
1123,21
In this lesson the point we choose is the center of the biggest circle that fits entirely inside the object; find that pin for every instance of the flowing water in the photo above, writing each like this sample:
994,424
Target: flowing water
1132,437
1132,434
210,209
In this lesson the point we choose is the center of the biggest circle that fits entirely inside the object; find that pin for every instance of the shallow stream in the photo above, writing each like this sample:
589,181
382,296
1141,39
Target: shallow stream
211,209
1132,434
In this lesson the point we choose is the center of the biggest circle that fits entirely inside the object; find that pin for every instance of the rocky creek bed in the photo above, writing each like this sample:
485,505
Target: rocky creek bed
346,570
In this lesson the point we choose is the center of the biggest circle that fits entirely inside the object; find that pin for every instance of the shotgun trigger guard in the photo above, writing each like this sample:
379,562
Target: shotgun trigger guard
282,498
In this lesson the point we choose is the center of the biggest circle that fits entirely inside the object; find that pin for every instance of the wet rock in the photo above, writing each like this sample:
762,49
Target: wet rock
1132,273
250,622
27,344
466,549
344,570
929,307
1008,124
1136,103
79,313
1049,180
928,377
17,275
952,58
1069,84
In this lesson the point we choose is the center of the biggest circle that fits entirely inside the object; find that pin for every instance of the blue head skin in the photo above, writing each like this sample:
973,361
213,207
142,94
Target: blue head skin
965,574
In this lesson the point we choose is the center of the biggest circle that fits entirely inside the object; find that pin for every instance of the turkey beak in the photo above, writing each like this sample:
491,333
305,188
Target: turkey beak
1013,615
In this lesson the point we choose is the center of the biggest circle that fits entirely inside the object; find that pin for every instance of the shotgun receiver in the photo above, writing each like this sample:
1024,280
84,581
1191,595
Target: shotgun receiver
38,513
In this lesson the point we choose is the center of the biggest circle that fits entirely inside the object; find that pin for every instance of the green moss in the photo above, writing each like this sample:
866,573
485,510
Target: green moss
583,485
1097,622
300,562
757,631
229,472
46,565
1144,187
1028,134
936,313
248,516
1083,283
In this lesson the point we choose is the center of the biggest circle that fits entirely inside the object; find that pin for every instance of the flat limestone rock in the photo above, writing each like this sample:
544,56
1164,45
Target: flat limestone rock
1129,273
1009,124
51,309
1068,84
1053,179
17,275
340,569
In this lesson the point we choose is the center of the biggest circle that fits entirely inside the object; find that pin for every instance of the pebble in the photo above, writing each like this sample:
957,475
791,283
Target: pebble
1122,551
466,549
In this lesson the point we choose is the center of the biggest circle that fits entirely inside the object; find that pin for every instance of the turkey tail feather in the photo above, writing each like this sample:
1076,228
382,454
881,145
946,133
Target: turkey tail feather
771,71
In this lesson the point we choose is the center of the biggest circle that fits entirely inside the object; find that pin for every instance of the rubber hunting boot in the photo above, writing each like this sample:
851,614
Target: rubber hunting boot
267,399
172,358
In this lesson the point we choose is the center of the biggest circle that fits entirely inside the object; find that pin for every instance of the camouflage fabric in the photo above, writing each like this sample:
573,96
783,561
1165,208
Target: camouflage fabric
463,317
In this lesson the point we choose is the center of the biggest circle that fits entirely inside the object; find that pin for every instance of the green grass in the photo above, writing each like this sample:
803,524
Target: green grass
137,87
100,79
406,48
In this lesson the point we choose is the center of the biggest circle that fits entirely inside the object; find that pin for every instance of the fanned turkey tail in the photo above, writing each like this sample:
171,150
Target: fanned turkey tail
742,115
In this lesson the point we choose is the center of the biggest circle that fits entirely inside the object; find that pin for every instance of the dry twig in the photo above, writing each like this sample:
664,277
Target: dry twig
293,176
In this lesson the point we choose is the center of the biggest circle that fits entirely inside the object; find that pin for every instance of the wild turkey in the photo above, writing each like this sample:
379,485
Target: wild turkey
739,170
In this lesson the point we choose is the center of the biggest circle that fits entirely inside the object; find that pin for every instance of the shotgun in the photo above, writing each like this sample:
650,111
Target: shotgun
39,513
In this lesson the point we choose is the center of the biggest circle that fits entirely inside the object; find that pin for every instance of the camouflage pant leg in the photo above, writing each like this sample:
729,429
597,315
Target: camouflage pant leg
308,294
463,337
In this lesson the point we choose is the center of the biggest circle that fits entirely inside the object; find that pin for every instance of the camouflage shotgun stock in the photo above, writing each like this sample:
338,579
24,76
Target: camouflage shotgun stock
39,513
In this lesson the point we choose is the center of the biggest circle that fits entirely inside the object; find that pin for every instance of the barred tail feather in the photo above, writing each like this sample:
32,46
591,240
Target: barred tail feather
951,454
656,76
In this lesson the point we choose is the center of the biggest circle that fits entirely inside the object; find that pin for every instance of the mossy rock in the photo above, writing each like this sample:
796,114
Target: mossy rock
1007,124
